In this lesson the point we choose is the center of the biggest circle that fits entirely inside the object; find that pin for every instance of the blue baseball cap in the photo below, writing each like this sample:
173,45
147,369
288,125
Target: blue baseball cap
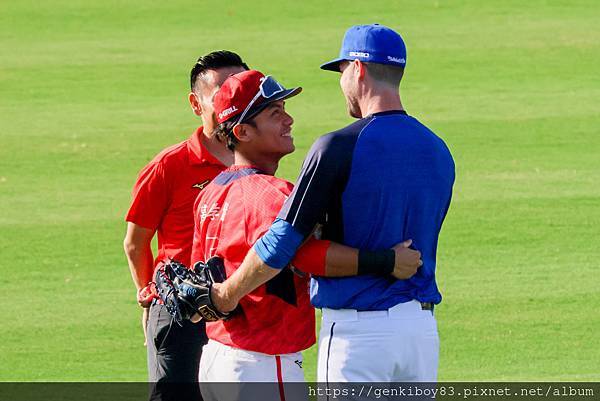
372,44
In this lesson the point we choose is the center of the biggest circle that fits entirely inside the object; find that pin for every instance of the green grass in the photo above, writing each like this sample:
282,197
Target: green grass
90,92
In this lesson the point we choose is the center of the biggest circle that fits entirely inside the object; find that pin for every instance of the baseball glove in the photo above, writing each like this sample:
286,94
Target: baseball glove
164,279
186,292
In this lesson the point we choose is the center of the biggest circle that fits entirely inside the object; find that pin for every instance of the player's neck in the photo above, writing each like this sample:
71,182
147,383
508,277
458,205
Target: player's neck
380,101
265,164
215,147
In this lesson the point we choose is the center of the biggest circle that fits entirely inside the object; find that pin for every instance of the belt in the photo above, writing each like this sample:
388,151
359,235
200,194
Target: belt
407,310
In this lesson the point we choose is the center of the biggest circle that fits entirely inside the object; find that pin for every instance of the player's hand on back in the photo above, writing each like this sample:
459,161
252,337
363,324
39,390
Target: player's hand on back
407,260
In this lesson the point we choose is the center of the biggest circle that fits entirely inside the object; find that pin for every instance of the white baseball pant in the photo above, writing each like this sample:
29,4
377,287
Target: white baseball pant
258,376
396,345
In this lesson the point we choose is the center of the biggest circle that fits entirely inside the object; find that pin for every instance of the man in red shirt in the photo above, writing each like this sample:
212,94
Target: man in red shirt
262,343
162,204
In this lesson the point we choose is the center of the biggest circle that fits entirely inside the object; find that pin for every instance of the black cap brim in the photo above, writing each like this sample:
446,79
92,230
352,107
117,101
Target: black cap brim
333,65
286,94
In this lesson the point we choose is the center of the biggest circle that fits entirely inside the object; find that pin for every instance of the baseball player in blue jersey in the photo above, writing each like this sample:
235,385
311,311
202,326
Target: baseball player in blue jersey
374,183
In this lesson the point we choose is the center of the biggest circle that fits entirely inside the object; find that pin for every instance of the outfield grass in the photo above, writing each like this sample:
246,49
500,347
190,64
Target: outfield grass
89,92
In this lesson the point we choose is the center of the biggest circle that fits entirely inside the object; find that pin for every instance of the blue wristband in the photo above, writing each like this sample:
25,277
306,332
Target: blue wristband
279,245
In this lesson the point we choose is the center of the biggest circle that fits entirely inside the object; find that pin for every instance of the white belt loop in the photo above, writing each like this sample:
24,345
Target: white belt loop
406,310
340,315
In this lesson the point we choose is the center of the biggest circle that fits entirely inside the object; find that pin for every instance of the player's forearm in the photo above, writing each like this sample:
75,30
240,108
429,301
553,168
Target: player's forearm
330,259
140,261
252,273
137,245
326,258
341,261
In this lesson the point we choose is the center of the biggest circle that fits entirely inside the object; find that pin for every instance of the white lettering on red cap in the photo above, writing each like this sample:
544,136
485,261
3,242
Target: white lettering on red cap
227,112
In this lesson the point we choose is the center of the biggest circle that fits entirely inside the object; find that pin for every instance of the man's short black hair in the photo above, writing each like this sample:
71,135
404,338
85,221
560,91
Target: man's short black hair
214,60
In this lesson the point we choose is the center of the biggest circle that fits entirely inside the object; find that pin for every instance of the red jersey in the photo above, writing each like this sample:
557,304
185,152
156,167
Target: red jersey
230,215
165,191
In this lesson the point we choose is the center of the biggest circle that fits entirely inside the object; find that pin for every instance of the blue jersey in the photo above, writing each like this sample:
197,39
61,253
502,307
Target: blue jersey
384,179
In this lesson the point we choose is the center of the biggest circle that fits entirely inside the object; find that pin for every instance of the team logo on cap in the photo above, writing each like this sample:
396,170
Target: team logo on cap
397,59
358,54
227,112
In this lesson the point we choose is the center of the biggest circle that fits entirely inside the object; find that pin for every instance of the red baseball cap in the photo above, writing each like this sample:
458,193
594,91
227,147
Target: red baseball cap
246,94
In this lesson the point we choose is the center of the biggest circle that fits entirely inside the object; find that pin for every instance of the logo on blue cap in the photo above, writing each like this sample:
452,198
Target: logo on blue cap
372,44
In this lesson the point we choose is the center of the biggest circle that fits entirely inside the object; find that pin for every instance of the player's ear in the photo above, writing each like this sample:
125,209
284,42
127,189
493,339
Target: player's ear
360,69
195,104
241,132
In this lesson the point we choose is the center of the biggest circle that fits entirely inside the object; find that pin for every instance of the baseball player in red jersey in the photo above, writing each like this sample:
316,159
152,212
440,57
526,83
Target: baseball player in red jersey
263,340
162,203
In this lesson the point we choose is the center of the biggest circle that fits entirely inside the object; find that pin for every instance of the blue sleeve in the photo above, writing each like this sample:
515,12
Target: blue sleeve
279,245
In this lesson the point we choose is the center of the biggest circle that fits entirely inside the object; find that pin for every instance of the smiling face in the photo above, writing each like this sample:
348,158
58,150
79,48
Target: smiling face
270,132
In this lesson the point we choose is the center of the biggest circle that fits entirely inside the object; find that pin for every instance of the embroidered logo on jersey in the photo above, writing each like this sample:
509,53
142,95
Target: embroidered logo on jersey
201,185
299,363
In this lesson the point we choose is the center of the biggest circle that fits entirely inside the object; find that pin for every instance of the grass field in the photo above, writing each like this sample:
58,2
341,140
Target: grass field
89,92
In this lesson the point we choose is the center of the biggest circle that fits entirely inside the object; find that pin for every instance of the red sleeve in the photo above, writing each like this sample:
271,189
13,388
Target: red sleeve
149,197
312,256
